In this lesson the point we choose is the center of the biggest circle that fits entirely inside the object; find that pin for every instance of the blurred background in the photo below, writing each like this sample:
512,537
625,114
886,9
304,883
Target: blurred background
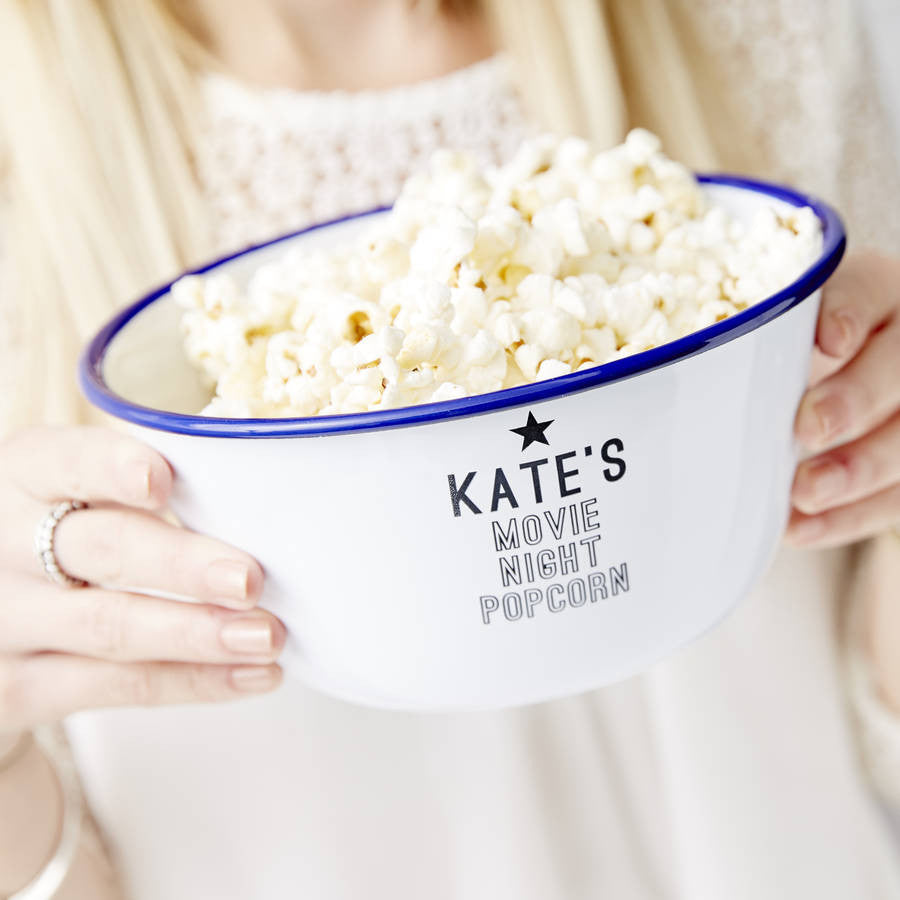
883,20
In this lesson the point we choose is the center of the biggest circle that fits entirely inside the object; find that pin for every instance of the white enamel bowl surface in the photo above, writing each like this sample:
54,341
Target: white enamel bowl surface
662,499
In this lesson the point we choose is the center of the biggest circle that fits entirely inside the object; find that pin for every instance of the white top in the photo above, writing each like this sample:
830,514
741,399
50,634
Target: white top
729,771
277,160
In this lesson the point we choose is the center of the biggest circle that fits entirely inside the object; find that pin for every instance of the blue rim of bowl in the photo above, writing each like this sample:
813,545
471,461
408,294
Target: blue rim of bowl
98,393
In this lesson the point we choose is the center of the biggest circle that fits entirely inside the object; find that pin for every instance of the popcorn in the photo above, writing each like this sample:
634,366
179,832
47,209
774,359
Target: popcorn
528,358
563,259
442,245
552,368
449,391
551,328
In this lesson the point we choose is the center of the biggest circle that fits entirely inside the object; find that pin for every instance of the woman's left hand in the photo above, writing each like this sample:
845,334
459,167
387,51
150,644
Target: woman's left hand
849,419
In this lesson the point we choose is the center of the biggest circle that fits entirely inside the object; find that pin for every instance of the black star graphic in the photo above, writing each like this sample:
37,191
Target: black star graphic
533,431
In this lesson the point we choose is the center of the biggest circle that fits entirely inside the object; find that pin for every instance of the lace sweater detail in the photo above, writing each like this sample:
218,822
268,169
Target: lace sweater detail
794,79
278,160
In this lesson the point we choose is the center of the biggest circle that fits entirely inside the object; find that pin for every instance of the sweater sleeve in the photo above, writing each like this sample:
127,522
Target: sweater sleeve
877,724
868,191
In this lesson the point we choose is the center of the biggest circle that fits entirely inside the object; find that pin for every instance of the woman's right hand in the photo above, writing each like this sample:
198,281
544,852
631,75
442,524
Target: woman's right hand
64,649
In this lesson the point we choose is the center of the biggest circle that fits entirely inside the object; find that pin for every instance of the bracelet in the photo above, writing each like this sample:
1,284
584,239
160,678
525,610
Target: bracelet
19,749
48,881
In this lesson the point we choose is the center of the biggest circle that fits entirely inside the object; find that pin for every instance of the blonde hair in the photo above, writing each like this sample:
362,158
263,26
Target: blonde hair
98,137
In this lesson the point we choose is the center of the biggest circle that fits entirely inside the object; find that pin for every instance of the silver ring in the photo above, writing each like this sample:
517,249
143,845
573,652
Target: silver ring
43,543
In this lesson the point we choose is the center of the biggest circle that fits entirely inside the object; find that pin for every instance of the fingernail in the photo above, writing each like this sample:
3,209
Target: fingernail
827,416
137,480
255,678
846,331
228,578
827,479
804,531
247,636
822,422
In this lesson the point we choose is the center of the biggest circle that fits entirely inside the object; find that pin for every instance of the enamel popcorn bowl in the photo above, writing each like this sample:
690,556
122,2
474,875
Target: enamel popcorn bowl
505,548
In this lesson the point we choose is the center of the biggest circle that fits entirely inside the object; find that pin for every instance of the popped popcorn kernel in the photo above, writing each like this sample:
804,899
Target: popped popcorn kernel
478,279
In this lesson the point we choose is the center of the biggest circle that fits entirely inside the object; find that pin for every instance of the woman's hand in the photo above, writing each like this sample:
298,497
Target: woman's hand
850,417
64,649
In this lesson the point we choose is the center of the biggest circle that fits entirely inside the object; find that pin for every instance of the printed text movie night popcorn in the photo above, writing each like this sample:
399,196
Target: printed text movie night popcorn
561,260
